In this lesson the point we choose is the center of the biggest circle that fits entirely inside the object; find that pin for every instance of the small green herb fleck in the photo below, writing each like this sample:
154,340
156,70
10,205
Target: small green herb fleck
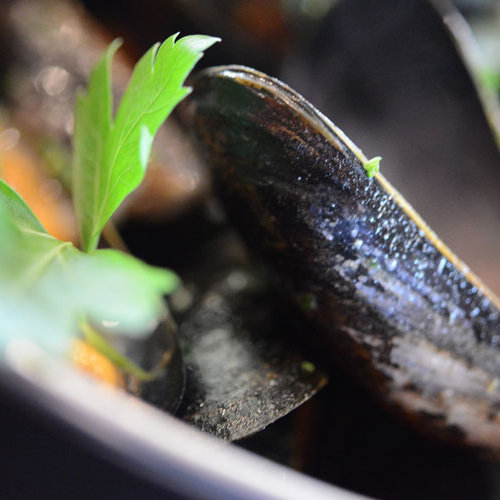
490,78
372,166
307,367
307,302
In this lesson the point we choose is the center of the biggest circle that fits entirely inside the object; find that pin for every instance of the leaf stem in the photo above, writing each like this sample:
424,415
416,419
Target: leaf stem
113,237
100,344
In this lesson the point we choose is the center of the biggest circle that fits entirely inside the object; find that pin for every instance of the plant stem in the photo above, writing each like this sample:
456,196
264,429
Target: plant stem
113,237
100,344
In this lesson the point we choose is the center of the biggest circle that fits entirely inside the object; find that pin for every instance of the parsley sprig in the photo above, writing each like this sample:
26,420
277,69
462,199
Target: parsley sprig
48,287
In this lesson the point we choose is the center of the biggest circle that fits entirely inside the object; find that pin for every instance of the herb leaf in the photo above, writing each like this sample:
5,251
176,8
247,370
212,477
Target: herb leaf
47,285
16,207
111,157
372,166
92,130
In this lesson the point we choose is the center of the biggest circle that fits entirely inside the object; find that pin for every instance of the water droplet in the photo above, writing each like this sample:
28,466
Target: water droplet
391,264
327,234
475,312
455,314
357,244
237,281
441,265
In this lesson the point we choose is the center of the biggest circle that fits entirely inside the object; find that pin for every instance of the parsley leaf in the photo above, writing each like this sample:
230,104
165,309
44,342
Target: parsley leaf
47,285
110,157
372,166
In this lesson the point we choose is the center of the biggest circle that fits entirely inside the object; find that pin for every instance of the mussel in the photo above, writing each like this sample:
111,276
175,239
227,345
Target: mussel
384,294
242,371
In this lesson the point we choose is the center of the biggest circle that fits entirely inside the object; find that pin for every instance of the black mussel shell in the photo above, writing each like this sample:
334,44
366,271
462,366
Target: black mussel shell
242,371
399,80
390,301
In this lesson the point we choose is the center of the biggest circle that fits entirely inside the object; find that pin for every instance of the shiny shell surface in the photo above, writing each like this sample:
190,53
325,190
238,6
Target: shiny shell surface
387,297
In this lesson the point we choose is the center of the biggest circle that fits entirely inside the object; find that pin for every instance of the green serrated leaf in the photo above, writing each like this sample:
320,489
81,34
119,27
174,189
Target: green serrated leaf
372,166
92,131
46,285
111,157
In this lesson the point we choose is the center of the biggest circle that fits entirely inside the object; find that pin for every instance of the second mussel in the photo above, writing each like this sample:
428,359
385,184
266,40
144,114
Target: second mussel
386,298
